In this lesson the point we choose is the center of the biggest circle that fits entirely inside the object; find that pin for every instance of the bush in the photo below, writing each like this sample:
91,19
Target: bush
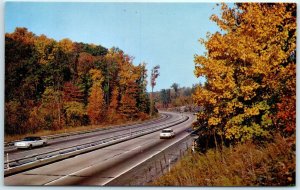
243,165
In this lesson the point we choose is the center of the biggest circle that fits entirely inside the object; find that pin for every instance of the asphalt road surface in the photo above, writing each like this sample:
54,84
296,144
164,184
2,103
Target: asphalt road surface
101,166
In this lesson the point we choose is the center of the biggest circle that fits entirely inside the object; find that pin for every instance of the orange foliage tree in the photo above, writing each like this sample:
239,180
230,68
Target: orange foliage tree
113,106
128,87
96,106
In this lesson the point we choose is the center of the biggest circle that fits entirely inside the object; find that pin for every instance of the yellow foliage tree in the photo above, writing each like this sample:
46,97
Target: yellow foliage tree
42,46
242,66
128,88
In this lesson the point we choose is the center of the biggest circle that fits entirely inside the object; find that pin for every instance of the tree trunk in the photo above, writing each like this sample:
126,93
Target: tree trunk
151,102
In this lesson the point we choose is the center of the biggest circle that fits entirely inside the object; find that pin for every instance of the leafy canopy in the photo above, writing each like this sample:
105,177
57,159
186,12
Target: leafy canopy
249,69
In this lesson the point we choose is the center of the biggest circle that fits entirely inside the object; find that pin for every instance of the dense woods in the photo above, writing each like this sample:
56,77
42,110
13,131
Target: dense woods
53,84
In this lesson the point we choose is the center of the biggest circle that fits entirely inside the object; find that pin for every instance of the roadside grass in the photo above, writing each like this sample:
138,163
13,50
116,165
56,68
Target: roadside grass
68,129
272,164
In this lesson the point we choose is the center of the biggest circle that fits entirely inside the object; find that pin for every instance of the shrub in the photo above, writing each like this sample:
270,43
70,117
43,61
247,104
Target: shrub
243,165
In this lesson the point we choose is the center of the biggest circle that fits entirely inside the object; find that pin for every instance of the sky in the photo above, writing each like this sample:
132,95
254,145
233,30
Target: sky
164,34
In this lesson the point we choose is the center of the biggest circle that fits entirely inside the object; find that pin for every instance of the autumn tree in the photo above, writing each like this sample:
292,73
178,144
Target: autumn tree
248,70
72,93
75,113
15,114
73,105
128,89
36,121
285,117
85,63
112,112
96,105
52,84
128,107
51,109
110,66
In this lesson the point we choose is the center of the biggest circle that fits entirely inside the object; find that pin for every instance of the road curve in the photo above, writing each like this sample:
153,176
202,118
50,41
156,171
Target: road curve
101,166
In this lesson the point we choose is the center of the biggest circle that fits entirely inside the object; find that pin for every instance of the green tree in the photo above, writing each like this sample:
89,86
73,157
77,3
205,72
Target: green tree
143,101
175,87
51,109
22,76
153,77
165,97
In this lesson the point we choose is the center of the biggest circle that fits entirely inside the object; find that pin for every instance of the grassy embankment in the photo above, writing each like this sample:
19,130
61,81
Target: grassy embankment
272,164
68,129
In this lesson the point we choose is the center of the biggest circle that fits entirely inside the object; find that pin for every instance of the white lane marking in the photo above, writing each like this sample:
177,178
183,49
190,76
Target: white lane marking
142,161
134,148
129,169
85,168
121,172
67,175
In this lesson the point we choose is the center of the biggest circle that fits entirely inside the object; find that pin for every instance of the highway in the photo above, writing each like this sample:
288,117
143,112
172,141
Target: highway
100,166
72,140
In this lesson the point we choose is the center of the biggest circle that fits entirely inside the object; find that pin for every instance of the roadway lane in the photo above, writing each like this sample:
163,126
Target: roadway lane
101,166
74,140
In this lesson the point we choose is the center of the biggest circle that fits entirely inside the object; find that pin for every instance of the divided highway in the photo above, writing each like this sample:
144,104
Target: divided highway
101,166
79,139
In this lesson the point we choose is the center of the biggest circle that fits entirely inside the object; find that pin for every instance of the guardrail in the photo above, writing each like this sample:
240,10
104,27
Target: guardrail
155,166
163,116
33,161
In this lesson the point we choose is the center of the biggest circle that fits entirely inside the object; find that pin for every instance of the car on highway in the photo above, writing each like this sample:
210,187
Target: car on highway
167,133
30,142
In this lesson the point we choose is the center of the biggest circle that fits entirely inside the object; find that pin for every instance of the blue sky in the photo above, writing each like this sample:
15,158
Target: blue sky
166,34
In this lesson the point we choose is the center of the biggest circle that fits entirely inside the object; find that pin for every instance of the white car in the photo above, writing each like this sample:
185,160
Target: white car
29,142
167,133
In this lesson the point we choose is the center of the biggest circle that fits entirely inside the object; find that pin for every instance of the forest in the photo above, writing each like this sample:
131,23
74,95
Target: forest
50,85
176,97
